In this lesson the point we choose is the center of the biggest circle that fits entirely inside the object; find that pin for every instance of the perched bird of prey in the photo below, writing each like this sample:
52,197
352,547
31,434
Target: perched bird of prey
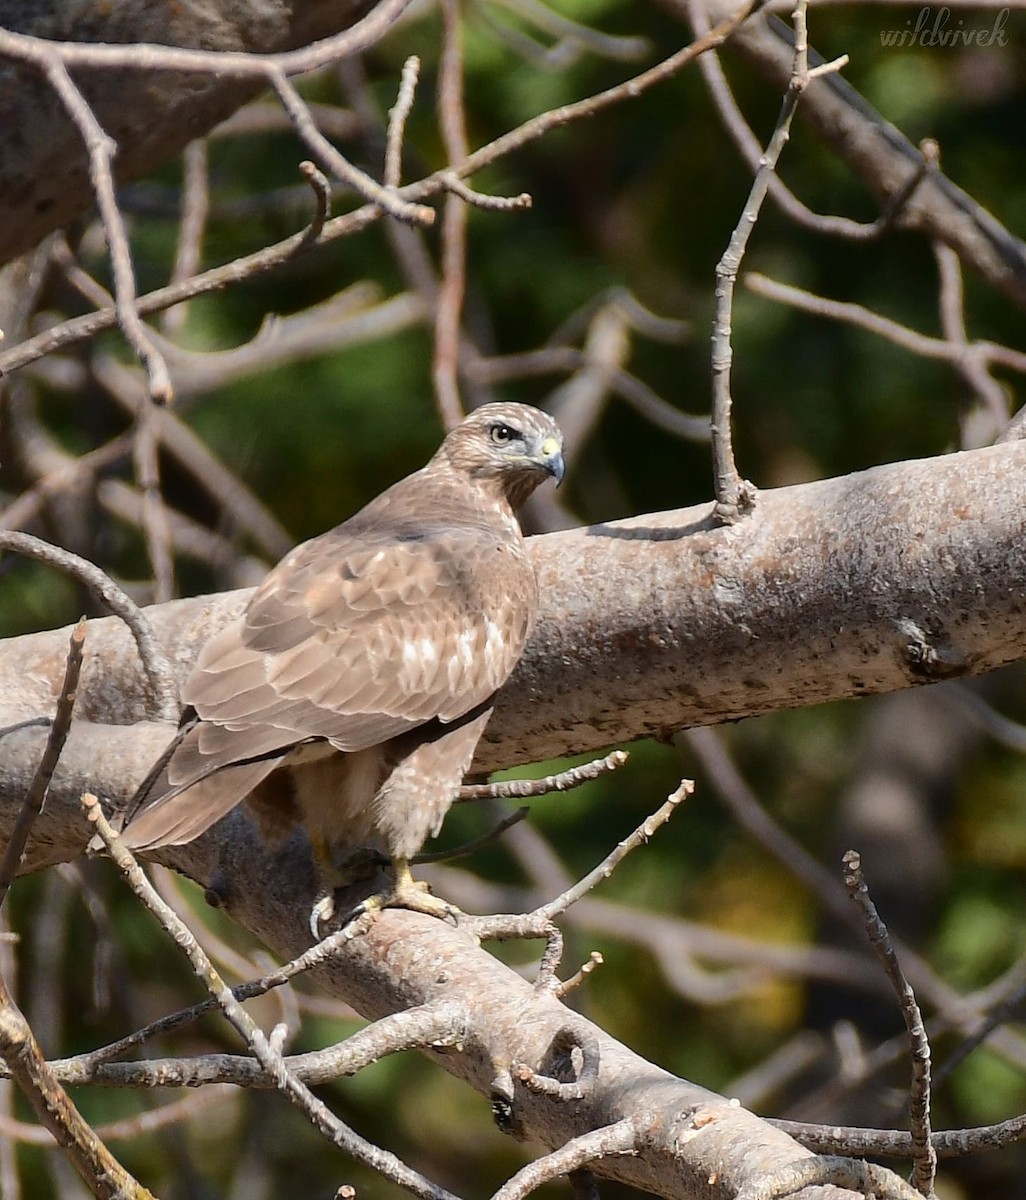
350,694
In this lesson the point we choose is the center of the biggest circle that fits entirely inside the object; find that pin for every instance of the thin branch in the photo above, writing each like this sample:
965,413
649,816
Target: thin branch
605,45
567,1043
397,117
900,335
144,56
472,847
159,673
482,200
153,515
449,302
82,328
924,1157
951,302
386,199
101,150
98,1168
735,496
621,1138
564,781
897,1143
425,1027
644,833
195,209
314,957
321,188
538,922
269,1058
595,960
751,151
35,797
128,1128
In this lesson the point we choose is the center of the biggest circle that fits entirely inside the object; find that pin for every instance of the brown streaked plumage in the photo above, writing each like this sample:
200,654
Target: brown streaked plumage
351,693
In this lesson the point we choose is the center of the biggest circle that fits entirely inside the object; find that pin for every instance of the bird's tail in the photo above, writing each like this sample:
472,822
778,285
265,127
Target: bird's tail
162,813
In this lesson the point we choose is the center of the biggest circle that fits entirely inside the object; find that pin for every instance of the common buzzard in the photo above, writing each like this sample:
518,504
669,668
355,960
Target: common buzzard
351,693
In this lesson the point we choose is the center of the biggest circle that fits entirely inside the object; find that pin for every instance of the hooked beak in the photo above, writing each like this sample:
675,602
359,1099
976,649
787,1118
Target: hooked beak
551,458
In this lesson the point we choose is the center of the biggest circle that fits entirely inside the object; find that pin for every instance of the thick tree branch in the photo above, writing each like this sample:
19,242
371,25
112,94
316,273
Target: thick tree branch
901,575
892,577
44,177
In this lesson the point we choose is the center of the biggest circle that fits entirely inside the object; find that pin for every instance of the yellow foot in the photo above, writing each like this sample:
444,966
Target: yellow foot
405,892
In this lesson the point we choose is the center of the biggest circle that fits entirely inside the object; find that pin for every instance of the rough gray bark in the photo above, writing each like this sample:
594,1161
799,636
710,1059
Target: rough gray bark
44,177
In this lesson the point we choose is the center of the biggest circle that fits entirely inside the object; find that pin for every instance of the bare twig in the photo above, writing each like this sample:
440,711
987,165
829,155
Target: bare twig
433,1026
449,304
386,198
735,496
897,1143
580,1053
595,959
482,200
521,789
159,673
989,353
623,49
154,519
150,56
322,952
195,209
128,1128
952,316
265,1053
538,922
645,831
35,797
751,151
621,1138
101,150
471,847
102,1173
79,329
924,1157
397,118
321,188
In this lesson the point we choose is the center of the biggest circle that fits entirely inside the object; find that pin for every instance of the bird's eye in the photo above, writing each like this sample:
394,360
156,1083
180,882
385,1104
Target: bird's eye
502,434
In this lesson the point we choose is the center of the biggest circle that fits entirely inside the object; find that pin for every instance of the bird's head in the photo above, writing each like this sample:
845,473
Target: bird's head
512,446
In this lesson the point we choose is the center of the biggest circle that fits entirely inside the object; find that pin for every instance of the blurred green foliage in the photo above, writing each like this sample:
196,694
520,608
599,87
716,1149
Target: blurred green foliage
643,197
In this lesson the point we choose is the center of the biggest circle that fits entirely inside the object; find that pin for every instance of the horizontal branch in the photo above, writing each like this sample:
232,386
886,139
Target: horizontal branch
897,576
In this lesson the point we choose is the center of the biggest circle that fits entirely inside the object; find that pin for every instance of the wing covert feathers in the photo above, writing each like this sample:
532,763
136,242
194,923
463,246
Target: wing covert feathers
413,611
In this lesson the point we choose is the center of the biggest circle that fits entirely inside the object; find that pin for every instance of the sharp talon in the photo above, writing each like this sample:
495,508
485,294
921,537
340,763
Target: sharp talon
321,914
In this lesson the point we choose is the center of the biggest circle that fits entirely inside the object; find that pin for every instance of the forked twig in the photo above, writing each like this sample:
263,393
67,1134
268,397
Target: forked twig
924,1157
268,1056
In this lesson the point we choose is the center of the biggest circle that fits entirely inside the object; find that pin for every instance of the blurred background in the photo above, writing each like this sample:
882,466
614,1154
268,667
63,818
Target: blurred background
728,957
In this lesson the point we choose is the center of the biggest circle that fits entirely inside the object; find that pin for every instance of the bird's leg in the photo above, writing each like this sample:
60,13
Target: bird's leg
415,894
329,877
405,892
